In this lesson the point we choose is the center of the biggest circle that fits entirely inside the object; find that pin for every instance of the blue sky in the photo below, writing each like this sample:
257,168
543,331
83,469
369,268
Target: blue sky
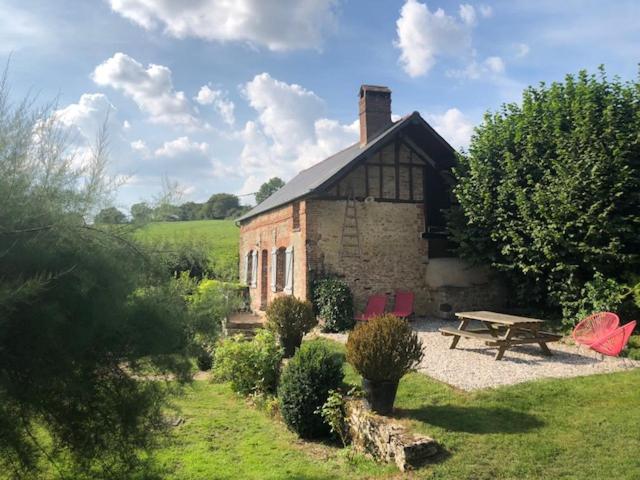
220,96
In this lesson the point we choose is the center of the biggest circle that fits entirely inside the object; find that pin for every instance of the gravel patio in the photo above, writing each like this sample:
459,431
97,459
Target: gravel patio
471,365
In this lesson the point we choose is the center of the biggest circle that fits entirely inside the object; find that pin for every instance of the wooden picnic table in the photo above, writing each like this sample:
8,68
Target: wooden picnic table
501,330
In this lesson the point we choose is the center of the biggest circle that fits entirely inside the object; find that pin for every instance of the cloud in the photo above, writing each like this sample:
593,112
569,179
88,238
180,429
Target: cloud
220,102
423,36
140,147
291,131
522,50
150,88
181,146
492,67
454,126
275,24
88,115
485,11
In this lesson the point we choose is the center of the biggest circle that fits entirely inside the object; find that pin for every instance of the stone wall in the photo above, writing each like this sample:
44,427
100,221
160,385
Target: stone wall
385,440
393,254
263,233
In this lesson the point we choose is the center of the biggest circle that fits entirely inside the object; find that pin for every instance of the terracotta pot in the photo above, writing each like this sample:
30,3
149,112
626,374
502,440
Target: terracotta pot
379,396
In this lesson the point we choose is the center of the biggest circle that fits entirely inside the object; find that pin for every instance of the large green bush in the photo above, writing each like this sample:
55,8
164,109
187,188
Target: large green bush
304,388
290,318
250,366
333,302
384,348
549,192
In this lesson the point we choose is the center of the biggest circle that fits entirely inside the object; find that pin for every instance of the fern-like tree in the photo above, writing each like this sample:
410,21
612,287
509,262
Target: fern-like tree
549,193
80,306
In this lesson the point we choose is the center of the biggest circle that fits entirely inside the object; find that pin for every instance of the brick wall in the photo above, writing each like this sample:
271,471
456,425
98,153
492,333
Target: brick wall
269,230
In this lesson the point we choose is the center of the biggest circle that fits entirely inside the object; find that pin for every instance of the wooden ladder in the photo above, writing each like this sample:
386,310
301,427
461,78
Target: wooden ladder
350,244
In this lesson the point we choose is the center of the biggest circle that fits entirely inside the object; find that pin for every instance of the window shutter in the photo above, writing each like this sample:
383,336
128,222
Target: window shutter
288,283
274,268
254,270
245,269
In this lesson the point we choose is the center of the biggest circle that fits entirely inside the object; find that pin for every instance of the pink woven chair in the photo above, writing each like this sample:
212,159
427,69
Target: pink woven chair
375,306
595,327
613,343
403,307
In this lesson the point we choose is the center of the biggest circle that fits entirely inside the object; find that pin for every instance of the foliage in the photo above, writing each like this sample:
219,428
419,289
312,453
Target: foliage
80,306
334,414
290,318
269,188
141,212
217,238
384,348
185,257
204,361
549,192
190,211
220,206
304,388
110,215
250,366
333,301
597,295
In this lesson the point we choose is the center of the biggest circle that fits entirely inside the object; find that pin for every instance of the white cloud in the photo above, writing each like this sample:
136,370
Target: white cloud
88,115
492,67
181,146
220,102
126,125
140,147
485,11
454,126
468,14
423,36
276,24
522,50
150,88
291,131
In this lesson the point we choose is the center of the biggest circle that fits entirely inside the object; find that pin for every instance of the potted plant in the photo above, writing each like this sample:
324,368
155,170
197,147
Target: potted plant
383,350
290,319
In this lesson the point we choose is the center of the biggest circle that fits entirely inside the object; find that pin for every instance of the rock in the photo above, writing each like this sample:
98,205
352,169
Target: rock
386,440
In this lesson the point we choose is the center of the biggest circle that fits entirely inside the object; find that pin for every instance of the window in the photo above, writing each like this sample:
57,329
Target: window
296,215
282,270
248,267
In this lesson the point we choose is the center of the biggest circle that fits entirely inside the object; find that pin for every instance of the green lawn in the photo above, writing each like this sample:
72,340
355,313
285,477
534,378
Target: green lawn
571,429
219,237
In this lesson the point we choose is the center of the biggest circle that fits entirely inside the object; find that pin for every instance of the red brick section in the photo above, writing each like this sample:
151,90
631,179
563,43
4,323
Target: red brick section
274,229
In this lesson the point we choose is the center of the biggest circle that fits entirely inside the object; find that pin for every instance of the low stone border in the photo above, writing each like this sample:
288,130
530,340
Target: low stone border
386,440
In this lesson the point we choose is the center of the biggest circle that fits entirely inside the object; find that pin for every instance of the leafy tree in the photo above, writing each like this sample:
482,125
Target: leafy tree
190,211
80,307
549,192
268,188
220,205
110,215
141,212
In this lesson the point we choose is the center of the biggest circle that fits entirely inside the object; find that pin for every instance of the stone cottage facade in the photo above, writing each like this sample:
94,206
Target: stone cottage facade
371,214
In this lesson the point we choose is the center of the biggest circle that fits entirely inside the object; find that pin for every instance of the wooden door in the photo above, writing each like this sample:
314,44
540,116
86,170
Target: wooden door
264,280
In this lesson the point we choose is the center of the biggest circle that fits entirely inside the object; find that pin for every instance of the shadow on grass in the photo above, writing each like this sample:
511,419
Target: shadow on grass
473,419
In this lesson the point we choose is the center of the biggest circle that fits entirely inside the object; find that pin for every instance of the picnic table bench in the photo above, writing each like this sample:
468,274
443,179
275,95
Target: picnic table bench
501,330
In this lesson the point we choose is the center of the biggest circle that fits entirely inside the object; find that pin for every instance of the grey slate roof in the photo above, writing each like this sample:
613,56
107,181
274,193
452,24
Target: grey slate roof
307,181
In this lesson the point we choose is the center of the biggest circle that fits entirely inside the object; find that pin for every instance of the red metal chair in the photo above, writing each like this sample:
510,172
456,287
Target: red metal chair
403,307
613,343
595,327
375,306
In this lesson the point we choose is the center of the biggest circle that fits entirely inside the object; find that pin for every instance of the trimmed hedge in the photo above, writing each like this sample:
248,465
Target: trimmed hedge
333,302
290,318
304,388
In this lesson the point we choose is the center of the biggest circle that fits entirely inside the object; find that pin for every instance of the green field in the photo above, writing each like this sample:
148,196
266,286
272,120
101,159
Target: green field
218,237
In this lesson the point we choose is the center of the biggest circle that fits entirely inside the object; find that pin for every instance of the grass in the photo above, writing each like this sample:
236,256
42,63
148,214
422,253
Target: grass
578,428
219,237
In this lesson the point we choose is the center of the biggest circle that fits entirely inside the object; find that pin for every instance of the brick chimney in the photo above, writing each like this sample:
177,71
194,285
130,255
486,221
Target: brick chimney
375,111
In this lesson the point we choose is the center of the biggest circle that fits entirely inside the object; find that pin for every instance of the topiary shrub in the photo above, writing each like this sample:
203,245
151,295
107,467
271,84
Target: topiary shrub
383,350
333,301
304,388
249,365
290,319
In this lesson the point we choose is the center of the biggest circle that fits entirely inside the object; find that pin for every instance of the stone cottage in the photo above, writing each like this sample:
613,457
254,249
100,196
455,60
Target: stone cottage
371,214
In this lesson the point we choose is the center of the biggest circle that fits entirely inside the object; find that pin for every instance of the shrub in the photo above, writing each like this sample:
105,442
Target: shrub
384,348
204,361
290,318
333,301
250,366
304,388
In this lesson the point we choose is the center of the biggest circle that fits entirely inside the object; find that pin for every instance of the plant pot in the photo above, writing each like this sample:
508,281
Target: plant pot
379,396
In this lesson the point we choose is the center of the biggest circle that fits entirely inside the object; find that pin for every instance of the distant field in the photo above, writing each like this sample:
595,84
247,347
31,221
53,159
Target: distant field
219,237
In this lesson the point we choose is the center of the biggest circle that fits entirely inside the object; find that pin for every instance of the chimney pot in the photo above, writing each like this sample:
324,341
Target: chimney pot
375,111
